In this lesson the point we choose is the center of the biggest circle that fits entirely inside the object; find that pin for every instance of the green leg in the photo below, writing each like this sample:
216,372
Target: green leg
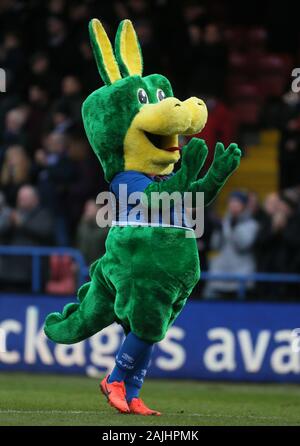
147,307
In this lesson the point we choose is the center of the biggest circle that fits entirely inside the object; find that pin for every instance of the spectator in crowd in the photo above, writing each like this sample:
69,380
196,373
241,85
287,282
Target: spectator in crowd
277,243
5,215
12,55
72,97
14,132
254,206
289,148
90,237
29,225
62,121
38,102
42,74
61,51
234,243
54,172
15,172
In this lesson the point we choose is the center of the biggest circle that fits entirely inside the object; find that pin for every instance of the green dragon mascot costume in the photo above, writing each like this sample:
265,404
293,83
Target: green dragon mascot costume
149,269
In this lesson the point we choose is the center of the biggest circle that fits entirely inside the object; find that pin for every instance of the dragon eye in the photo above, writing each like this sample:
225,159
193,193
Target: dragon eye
142,96
160,94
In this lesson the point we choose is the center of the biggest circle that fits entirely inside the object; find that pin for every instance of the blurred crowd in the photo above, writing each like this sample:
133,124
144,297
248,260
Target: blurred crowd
236,61
253,237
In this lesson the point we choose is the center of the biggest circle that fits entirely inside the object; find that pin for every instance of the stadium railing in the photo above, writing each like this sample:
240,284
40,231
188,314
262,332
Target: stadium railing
36,252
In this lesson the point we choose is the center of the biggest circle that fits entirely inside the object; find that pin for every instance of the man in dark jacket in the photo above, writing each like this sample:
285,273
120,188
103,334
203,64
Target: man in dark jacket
5,213
30,225
277,243
54,171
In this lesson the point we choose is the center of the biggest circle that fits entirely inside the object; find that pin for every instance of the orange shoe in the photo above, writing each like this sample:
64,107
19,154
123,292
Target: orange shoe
138,407
116,394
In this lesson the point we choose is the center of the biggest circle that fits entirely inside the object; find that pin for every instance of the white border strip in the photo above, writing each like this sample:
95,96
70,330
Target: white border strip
152,225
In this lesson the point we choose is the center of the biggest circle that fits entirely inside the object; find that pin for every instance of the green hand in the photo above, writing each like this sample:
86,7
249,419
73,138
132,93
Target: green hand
193,157
226,161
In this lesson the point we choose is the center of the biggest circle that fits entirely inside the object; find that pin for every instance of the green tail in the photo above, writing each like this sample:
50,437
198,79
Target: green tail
79,321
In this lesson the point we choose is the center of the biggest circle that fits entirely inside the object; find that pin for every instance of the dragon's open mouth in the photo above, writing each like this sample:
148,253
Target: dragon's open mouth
163,142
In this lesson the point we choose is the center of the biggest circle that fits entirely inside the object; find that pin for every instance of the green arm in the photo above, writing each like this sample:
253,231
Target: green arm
224,164
193,158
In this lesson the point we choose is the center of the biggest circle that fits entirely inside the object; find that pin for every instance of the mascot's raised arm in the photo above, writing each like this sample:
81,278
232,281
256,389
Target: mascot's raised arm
150,268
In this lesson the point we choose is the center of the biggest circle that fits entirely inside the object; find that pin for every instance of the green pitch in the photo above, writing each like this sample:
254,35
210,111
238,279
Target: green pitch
62,400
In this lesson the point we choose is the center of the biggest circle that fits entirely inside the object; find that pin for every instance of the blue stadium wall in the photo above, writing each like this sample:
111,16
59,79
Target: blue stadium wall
209,341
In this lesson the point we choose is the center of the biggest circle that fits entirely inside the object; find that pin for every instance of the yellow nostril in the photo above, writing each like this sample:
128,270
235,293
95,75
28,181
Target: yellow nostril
177,105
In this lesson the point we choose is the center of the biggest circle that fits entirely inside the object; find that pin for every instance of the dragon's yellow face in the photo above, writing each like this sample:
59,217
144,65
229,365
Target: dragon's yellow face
151,142
133,122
